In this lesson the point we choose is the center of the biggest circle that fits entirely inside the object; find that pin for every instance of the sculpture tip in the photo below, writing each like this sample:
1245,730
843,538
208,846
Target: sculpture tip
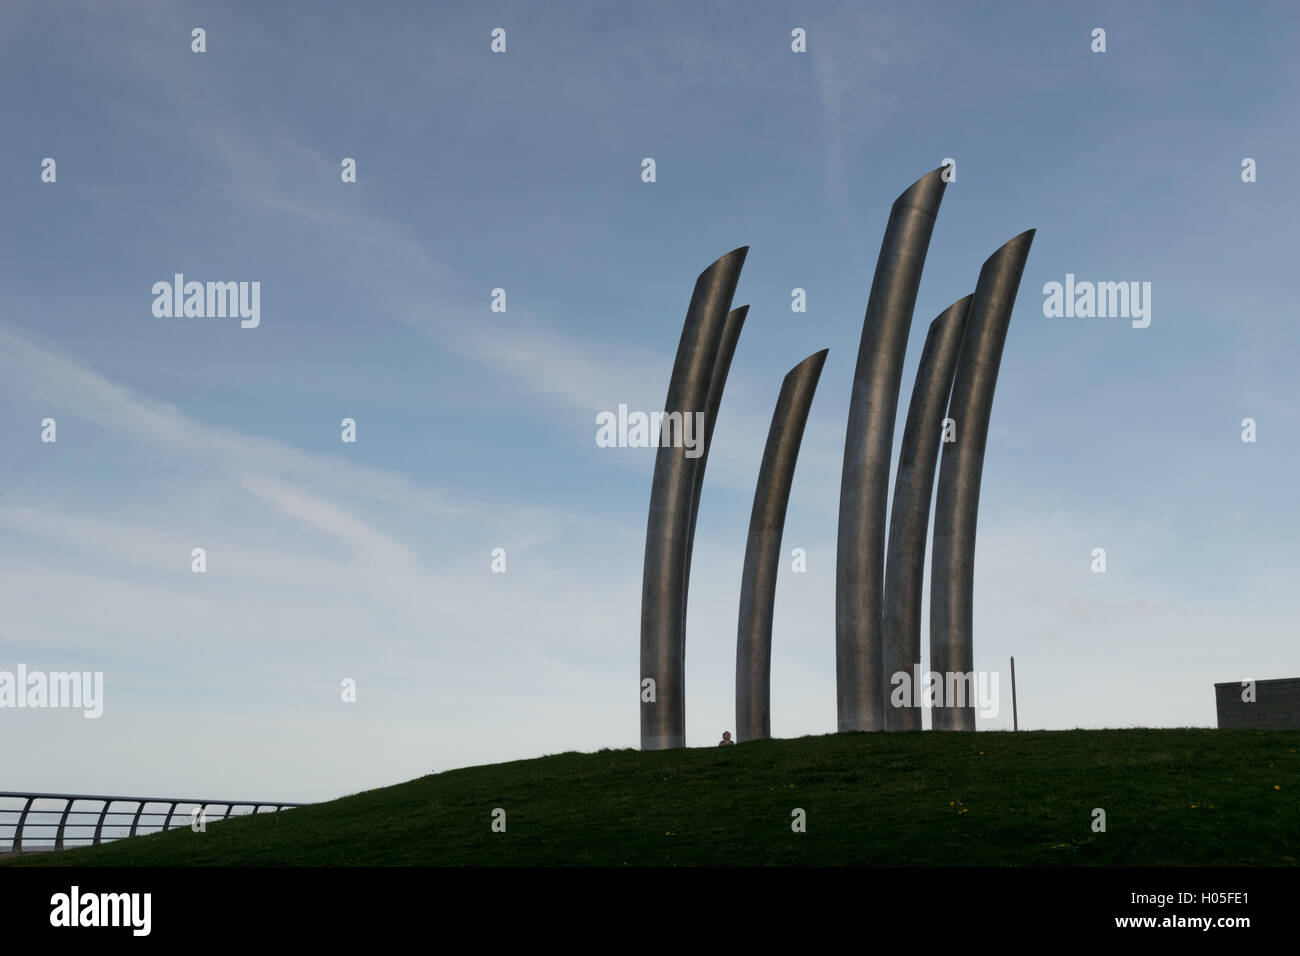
926,192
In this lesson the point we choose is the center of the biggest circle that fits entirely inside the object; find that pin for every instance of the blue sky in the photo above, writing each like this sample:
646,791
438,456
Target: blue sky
477,429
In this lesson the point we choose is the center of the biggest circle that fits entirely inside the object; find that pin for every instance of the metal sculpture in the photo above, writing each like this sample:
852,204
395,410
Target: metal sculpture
663,592
861,687
763,549
909,517
717,382
952,576
877,603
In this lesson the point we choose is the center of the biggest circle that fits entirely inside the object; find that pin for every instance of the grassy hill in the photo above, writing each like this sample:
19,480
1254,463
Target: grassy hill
1180,797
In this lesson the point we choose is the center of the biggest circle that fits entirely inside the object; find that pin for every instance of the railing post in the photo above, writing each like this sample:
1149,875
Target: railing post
136,822
99,827
63,822
229,808
167,824
22,821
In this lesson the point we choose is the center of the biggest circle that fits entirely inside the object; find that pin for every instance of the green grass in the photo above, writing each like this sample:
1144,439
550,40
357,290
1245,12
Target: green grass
1172,797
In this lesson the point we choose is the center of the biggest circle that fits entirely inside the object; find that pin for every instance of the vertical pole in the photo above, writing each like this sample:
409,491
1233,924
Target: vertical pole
1015,714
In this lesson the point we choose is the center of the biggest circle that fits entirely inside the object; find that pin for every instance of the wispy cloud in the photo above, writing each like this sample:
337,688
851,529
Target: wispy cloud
42,371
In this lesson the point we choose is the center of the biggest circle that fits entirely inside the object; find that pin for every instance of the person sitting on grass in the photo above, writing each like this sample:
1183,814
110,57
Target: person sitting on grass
726,739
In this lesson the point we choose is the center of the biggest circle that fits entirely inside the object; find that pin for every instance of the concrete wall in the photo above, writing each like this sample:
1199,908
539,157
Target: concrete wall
1276,706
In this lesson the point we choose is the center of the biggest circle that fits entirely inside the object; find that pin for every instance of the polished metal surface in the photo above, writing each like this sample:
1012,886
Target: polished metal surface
909,517
663,632
861,686
952,582
717,382
763,549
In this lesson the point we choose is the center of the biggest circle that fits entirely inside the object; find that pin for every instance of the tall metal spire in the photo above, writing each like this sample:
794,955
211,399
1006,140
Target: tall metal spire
663,584
952,576
763,549
861,685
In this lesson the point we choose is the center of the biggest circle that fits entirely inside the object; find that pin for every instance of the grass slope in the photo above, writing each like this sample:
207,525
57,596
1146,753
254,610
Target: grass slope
1181,797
